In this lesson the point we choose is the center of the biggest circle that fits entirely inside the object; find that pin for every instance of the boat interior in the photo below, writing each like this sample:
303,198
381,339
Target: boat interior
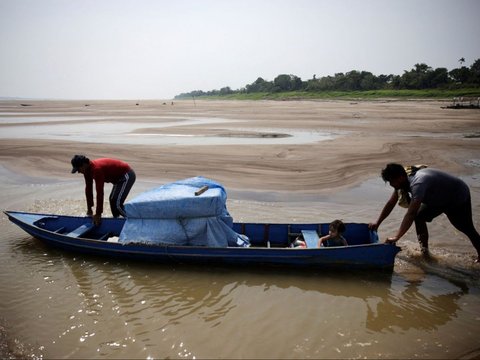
259,234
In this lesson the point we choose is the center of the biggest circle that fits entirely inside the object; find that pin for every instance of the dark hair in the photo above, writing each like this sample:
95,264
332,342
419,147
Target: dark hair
393,171
337,225
78,161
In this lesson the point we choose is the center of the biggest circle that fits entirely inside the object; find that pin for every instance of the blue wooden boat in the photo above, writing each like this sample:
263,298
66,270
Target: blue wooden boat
270,244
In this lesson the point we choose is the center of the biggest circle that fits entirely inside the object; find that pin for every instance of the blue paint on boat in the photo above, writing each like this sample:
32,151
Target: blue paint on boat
269,244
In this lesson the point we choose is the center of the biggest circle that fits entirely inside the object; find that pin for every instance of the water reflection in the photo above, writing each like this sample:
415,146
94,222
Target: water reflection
410,305
392,302
85,306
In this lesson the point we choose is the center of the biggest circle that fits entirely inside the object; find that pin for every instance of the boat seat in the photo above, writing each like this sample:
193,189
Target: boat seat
80,231
311,238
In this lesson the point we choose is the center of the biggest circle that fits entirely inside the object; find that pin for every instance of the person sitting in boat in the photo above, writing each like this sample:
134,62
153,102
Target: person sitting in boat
103,170
334,237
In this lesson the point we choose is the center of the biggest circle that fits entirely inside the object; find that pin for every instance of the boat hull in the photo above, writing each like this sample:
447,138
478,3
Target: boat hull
373,255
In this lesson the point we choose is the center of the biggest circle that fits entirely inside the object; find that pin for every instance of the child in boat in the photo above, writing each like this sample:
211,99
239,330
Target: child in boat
334,237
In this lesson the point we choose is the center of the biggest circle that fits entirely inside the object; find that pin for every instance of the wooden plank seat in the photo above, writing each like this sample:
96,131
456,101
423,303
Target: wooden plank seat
81,230
311,238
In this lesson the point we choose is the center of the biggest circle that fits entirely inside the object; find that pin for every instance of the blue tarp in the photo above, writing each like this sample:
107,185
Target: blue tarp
173,214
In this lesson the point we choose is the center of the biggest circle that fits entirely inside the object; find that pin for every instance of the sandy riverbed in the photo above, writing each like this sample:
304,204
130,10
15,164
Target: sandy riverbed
285,161
160,140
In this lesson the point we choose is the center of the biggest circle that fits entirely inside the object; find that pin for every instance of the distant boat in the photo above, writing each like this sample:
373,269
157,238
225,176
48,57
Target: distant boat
269,244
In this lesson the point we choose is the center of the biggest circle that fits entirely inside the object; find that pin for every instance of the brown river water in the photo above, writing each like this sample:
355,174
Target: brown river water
63,305
55,304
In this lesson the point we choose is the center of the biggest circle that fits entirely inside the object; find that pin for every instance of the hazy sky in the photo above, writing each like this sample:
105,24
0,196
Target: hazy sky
156,49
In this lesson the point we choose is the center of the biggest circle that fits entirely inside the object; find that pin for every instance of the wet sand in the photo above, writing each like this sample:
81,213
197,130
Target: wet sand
366,135
60,305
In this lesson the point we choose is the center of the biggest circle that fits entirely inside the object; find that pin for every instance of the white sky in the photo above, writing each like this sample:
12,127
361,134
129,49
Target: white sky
156,49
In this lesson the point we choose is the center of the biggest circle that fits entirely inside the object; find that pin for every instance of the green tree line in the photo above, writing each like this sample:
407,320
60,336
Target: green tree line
420,77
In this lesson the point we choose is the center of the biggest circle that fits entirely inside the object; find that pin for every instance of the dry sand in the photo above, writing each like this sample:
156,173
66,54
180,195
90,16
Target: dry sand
368,134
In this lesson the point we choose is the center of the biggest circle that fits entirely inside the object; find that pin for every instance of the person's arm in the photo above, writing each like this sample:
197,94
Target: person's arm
387,209
99,184
89,193
407,221
322,240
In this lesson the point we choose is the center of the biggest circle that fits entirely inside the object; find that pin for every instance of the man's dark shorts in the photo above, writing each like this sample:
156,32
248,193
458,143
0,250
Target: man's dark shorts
459,215
428,213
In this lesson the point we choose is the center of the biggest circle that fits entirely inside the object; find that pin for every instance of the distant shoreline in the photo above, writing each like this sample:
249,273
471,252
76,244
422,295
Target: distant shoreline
428,94
370,95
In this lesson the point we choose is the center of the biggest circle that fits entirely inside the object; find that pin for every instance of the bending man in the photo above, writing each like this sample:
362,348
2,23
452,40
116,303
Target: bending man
427,193
103,170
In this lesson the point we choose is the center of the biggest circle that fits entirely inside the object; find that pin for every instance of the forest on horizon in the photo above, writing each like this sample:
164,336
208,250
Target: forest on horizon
420,77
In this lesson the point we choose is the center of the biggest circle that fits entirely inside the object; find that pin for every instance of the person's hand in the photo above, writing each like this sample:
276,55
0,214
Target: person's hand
373,226
391,240
97,219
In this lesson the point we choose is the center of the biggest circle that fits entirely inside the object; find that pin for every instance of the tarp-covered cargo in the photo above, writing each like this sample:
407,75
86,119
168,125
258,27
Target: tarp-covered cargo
173,214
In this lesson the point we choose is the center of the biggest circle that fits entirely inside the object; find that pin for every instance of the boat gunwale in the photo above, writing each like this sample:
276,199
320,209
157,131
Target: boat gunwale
256,256
164,245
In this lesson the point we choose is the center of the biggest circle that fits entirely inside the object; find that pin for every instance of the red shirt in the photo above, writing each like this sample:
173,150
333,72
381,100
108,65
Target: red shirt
102,170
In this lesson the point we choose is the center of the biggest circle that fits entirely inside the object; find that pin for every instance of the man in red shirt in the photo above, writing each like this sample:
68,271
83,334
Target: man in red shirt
103,170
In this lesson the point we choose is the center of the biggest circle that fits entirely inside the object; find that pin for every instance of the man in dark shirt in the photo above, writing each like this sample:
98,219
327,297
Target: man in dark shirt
103,170
429,193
